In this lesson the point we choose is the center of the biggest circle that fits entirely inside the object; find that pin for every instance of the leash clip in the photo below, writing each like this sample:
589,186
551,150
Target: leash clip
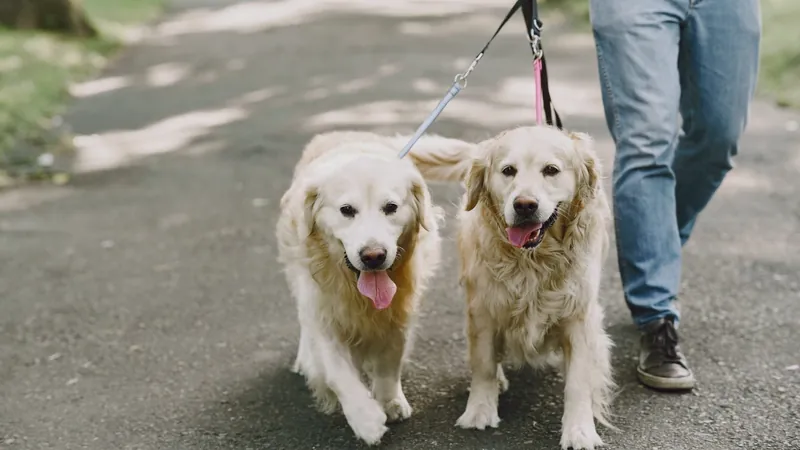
461,79
536,38
536,46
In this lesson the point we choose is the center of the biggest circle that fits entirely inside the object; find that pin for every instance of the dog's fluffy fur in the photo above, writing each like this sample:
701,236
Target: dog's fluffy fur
529,305
342,334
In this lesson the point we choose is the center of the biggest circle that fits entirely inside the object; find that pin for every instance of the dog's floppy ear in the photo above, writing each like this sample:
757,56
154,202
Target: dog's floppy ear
587,169
310,207
476,183
419,202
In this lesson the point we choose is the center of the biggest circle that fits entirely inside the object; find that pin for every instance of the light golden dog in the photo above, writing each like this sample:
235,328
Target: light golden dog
532,239
359,239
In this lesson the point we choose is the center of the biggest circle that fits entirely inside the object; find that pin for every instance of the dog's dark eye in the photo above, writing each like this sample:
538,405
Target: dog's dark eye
348,211
509,171
551,170
390,208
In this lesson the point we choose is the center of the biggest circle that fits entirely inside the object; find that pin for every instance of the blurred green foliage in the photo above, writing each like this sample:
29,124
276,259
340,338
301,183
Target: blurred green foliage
36,69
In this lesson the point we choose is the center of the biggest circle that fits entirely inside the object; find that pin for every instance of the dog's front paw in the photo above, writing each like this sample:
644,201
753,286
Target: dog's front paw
580,437
397,409
479,416
367,420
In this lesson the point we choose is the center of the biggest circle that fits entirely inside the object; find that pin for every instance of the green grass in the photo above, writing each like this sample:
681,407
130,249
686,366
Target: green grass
576,9
780,51
779,77
122,12
36,69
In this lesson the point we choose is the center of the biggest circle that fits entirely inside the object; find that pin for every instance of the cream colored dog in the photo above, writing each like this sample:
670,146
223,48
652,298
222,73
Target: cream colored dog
532,239
359,238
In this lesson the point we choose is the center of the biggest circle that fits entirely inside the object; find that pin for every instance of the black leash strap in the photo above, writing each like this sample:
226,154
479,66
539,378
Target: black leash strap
533,27
475,61
459,83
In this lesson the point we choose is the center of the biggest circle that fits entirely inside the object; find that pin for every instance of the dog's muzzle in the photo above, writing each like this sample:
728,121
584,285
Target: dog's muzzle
527,232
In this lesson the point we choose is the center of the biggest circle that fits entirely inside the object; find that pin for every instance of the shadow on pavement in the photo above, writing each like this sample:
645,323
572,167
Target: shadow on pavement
275,410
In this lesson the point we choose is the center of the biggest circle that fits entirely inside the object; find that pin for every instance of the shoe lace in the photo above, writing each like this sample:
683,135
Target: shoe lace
665,339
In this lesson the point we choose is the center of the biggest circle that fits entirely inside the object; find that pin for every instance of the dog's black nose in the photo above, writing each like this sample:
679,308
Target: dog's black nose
525,206
372,257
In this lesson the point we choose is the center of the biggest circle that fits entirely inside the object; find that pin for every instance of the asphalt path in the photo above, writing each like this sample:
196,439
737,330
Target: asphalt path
142,307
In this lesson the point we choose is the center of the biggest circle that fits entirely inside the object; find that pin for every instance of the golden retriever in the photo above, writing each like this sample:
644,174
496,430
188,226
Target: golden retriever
532,238
358,236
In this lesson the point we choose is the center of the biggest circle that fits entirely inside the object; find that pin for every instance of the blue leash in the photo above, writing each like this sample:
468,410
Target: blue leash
459,84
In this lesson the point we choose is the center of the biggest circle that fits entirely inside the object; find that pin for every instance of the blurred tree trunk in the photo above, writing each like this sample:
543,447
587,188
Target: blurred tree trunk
62,16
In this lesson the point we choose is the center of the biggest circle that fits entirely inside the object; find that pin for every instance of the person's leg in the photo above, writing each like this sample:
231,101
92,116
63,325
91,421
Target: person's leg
637,46
637,50
719,68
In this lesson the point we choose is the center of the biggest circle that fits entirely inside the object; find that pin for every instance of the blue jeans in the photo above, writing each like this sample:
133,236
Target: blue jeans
677,78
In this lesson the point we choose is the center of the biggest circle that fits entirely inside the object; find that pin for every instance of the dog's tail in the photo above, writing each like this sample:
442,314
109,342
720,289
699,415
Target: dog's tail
439,158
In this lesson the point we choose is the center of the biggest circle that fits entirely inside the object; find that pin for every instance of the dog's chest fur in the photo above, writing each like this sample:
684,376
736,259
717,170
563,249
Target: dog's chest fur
527,294
532,304
354,319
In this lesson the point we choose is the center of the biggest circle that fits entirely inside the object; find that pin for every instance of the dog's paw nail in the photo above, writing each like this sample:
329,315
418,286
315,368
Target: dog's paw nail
502,381
397,409
479,417
326,401
297,368
503,384
371,432
368,421
580,438
373,435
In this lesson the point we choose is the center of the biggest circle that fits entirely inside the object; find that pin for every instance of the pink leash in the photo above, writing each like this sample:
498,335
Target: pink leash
537,75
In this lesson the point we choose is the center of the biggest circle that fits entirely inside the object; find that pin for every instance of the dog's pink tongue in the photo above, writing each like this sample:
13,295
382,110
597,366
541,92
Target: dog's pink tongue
518,236
378,287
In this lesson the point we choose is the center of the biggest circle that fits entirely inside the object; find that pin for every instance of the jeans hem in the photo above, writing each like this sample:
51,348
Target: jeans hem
642,322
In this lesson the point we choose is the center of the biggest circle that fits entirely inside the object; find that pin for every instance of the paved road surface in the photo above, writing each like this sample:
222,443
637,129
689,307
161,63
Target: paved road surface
142,307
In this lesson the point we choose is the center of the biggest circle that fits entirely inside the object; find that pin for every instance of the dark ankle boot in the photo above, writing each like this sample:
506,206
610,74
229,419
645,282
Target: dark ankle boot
661,362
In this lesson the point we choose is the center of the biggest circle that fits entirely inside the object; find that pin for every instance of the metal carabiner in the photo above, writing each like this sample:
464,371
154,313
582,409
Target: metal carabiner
461,78
536,46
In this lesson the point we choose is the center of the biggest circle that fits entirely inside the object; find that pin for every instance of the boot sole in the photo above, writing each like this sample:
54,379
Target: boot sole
665,384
